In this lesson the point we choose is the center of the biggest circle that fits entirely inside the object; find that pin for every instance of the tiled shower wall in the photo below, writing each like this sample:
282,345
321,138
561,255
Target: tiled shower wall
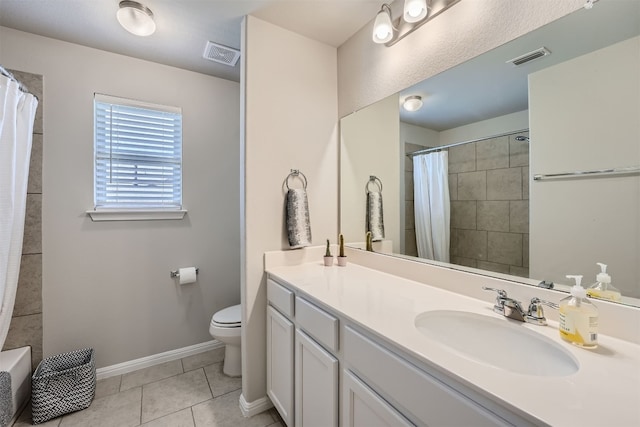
26,323
489,190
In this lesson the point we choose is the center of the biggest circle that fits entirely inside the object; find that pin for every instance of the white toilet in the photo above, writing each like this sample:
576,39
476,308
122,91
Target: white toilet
226,327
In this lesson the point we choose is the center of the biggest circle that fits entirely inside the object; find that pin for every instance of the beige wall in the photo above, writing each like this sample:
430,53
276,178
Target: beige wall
368,72
370,146
290,121
106,285
593,219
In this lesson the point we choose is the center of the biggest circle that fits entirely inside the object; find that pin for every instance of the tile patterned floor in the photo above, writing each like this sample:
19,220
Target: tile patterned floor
191,392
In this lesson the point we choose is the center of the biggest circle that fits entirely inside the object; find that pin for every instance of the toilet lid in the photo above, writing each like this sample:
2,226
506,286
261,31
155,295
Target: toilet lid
228,316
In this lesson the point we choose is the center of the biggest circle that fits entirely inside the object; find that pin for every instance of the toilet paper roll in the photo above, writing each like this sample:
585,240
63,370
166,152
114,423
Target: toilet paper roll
187,275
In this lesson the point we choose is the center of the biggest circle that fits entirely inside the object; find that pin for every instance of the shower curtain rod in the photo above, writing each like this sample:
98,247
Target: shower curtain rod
10,75
429,150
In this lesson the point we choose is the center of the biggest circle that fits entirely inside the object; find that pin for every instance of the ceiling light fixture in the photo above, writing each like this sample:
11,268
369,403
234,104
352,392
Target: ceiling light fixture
415,14
136,18
412,103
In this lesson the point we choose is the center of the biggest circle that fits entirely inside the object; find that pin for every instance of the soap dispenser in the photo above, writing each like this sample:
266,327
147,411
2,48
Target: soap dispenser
603,288
578,317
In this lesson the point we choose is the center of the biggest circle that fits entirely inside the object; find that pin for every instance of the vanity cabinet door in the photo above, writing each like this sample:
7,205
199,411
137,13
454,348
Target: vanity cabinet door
361,406
280,339
316,387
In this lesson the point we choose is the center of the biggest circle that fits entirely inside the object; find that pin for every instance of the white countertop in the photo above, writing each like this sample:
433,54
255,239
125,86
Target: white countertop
604,392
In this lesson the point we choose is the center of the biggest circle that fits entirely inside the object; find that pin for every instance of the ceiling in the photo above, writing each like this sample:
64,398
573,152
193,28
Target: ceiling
486,86
185,26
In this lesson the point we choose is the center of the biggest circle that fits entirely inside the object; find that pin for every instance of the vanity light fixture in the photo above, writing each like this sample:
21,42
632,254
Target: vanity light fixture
412,103
415,14
136,18
382,26
415,10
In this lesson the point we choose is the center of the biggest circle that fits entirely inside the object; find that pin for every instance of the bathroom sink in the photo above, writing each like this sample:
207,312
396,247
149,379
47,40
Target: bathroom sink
497,342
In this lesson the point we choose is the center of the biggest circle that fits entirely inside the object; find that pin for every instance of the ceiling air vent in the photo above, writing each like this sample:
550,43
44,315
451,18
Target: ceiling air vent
222,54
528,57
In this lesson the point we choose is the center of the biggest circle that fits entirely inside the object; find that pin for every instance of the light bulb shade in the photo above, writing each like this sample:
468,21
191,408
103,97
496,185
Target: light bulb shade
136,18
382,27
412,103
415,10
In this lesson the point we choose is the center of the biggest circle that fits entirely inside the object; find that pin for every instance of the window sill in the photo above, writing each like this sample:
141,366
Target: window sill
135,214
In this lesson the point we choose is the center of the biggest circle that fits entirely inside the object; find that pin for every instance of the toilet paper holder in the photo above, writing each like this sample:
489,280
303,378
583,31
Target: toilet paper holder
176,273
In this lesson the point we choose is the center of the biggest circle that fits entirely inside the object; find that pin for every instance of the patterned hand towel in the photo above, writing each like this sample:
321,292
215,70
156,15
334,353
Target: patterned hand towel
375,222
6,399
298,226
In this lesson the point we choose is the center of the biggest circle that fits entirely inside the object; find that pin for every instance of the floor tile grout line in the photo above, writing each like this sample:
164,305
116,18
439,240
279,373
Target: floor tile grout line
193,417
181,409
152,382
141,400
208,383
229,392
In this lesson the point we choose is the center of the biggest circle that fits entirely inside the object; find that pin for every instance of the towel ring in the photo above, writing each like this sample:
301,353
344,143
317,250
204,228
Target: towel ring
375,180
296,173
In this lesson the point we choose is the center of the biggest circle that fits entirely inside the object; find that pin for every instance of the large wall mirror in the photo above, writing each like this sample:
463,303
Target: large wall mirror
506,152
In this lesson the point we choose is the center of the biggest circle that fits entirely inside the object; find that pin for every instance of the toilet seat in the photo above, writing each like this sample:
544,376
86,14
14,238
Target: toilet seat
229,317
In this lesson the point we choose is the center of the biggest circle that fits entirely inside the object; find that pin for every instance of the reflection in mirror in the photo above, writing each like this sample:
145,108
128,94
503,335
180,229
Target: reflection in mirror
574,108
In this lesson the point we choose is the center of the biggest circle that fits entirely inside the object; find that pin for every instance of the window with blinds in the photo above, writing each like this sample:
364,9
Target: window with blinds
138,155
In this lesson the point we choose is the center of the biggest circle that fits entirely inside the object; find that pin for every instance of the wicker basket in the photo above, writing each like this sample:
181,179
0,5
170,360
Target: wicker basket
62,384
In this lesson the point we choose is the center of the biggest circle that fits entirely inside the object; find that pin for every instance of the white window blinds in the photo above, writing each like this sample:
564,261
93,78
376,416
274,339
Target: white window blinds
138,155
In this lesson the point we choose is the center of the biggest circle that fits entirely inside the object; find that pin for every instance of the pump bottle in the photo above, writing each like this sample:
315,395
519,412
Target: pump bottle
603,288
578,317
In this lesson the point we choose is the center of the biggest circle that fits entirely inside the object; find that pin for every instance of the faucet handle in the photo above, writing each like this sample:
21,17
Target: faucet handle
498,306
535,313
501,292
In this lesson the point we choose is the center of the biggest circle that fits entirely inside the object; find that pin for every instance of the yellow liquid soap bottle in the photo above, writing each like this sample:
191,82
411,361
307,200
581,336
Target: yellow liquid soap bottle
578,317
603,288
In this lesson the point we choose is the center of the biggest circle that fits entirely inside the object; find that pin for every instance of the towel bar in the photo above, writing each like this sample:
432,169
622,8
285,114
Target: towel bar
294,173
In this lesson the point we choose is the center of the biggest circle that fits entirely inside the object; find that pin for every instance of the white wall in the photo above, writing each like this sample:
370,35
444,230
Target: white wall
290,121
370,146
106,285
498,125
412,134
592,219
368,72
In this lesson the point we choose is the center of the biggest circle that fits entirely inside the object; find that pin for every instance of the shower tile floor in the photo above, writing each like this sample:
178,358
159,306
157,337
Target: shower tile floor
190,392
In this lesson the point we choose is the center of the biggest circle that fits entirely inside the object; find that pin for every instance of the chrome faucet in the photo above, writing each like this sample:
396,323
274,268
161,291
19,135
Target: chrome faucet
512,308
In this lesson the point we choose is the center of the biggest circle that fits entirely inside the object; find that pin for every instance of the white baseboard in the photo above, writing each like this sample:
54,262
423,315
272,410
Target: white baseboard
249,409
156,359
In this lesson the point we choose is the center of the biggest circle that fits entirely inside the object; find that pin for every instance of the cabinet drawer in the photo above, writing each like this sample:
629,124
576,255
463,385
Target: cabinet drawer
280,297
411,390
317,323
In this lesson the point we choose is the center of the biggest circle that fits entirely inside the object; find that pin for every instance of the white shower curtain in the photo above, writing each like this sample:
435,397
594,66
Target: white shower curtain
432,205
17,113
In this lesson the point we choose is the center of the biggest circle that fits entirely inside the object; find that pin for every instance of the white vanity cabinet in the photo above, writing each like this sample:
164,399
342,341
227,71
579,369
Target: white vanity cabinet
316,393
419,396
302,372
323,356
361,406
280,363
